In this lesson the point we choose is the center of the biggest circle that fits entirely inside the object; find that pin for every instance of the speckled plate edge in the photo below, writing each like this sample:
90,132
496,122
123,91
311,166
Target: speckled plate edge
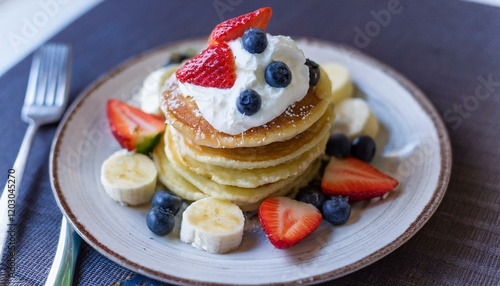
430,208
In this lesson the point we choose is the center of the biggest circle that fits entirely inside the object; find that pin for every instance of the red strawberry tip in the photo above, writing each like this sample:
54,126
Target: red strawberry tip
355,179
212,67
235,27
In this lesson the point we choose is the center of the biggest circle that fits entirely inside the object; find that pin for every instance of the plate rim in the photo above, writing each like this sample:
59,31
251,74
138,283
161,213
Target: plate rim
445,152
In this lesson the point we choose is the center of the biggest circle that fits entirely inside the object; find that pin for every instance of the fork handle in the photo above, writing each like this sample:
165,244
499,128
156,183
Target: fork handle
63,266
10,191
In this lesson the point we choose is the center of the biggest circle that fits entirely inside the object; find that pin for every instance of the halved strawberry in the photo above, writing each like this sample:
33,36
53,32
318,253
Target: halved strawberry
235,27
133,128
356,179
213,67
287,221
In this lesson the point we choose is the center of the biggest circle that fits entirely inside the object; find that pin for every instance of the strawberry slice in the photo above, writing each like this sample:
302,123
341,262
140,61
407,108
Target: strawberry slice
356,179
235,27
213,67
133,128
287,221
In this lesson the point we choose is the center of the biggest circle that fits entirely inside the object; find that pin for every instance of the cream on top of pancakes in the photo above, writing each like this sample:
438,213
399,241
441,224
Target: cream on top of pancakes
218,106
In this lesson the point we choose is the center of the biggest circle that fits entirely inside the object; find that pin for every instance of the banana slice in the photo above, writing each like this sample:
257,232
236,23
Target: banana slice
213,225
152,87
354,118
129,178
342,86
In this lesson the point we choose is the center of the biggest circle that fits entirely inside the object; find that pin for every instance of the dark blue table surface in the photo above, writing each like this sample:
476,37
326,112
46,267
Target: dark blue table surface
444,47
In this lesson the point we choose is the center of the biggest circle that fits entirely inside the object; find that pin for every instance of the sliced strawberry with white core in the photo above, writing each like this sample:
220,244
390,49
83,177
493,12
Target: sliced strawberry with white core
287,221
133,128
356,179
213,67
234,28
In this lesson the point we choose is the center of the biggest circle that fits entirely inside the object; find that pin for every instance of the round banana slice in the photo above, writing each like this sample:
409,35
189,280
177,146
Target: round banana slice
152,87
213,225
129,178
354,117
342,86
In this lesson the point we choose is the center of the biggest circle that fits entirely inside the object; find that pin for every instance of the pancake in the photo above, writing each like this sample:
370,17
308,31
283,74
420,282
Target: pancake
289,190
178,185
227,192
195,160
183,114
248,178
260,157
171,178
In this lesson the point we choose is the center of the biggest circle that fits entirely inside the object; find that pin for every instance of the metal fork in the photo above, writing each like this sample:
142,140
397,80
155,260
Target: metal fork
45,102
63,266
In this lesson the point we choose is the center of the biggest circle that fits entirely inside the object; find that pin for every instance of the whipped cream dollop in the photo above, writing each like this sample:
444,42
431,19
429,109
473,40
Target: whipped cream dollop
218,106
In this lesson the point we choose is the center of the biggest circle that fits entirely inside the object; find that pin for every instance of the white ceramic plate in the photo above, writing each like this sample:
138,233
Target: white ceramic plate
416,151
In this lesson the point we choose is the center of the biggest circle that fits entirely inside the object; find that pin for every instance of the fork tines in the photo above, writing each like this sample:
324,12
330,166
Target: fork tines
48,74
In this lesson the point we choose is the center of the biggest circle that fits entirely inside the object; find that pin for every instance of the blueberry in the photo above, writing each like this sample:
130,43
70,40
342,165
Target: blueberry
363,148
254,40
314,72
338,145
167,201
312,194
160,221
278,74
336,210
248,102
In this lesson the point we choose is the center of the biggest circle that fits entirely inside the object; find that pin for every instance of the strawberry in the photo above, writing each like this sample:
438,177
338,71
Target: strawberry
235,27
356,179
133,128
287,221
213,67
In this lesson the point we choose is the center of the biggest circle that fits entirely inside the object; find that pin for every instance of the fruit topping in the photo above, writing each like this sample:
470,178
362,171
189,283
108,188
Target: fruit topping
356,179
342,86
337,210
248,102
234,28
314,72
213,225
339,146
363,148
286,221
353,117
312,194
278,74
160,221
254,40
133,128
167,201
213,67
129,178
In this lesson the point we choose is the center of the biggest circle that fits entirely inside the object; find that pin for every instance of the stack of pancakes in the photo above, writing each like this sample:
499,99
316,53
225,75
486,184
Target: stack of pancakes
195,160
